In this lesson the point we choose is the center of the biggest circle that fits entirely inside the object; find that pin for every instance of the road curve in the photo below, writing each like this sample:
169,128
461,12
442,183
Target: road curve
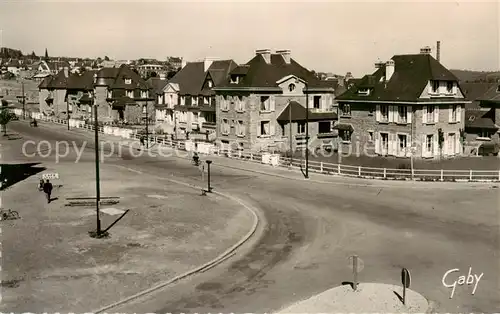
313,227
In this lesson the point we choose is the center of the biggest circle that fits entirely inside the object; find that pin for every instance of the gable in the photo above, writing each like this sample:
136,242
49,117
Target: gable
208,79
291,85
171,88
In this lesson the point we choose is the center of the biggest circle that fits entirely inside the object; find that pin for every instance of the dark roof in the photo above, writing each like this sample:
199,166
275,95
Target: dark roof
56,65
258,73
192,76
123,101
411,75
82,81
44,84
479,119
13,63
475,91
492,94
157,84
125,72
108,72
298,113
58,81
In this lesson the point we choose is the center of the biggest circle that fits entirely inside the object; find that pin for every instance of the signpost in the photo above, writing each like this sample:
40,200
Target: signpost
357,265
50,176
405,280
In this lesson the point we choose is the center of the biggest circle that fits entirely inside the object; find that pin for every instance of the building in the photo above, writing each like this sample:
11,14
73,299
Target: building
79,88
176,62
408,99
14,66
254,102
146,70
157,84
122,96
190,94
52,67
52,94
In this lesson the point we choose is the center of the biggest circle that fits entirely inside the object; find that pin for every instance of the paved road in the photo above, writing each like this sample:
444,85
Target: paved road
311,230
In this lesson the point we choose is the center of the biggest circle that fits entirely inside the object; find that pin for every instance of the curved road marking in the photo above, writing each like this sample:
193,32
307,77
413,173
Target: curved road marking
219,259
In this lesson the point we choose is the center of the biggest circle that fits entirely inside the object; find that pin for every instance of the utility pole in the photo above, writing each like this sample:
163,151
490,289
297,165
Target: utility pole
67,109
147,126
290,122
97,186
24,100
412,140
307,131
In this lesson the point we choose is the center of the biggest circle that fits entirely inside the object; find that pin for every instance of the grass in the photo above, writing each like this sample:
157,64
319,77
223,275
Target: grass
10,89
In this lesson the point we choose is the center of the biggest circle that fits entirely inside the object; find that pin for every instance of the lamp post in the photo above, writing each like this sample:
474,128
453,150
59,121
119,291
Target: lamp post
290,122
208,175
24,101
96,148
145,110
307,130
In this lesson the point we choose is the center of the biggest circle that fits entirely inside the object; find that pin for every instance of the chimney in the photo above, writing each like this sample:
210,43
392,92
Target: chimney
183,63
162,76
66,71
285,54
207,62
438,51
426,50
379,64
389,69
266,53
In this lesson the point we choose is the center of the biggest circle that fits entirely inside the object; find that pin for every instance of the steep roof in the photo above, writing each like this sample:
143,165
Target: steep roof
411,74
14,63
56,65
193,75
59,81
125,72
298,113
44,84
258,73
157,84
475,91
83,81
492,94
108,72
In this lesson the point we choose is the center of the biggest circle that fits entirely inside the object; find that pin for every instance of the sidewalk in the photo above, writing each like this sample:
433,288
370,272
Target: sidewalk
368,298
50,264
294,173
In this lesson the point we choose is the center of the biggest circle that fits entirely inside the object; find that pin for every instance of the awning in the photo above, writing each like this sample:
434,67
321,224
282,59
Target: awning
344,127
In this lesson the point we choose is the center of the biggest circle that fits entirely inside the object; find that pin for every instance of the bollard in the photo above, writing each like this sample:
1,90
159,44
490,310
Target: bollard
208,176
442,175
470,175
321,167
359,171
338,168
385,173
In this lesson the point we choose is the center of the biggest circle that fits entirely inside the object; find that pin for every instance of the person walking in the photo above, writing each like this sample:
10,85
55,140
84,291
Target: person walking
47,189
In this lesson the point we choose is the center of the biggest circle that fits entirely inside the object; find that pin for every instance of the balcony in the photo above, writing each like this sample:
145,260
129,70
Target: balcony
209,125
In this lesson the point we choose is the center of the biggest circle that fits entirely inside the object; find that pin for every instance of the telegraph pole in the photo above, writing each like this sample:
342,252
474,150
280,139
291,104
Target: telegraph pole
147,126
307,131
290,122
97,186
24,101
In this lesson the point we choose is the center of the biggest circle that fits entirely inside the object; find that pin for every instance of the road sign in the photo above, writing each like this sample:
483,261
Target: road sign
356,264
360,263
50,176
405,278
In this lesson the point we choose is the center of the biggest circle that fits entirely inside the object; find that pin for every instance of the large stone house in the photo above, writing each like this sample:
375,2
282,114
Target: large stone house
408,99
254,105
79,90
52,95
189,100
122,96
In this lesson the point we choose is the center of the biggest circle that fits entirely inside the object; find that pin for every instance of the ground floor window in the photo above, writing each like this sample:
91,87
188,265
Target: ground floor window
265,128
345,135
384,137
429,143
210,117
402,143
324,127
301,127
485,133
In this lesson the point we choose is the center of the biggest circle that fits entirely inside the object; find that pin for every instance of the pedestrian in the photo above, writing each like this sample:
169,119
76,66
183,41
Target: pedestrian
40,185
47,189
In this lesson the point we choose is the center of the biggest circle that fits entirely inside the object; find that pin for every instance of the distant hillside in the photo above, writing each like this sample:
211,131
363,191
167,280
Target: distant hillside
10,53
476,76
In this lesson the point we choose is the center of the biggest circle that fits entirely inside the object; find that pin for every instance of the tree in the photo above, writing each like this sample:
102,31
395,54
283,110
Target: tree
106,58
33,55
5,117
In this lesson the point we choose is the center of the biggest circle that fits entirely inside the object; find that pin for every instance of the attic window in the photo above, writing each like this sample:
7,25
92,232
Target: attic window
234,79
128,81
364,91
210,83
291,87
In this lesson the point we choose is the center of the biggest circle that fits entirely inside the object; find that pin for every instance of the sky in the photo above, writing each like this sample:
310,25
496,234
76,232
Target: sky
326,36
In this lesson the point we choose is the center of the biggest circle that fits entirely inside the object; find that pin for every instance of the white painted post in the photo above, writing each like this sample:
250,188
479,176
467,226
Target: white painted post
498,175
251,156
338,168
470,175
385,173
321,167
442,174
359,171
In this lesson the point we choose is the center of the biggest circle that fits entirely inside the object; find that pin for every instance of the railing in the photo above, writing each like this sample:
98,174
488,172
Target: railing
315,166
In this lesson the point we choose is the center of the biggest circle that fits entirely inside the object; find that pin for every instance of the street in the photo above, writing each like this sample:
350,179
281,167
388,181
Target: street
312,228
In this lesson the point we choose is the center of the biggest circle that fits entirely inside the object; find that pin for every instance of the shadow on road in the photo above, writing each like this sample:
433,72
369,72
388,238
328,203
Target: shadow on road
348,283
399,297
13,173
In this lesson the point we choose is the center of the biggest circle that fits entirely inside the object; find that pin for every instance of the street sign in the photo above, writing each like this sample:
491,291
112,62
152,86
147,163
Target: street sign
356,264
405,278
49,176
360,263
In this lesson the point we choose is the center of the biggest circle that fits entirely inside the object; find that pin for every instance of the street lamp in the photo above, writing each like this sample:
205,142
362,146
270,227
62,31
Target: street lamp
145,111
290,122
307,130
208,175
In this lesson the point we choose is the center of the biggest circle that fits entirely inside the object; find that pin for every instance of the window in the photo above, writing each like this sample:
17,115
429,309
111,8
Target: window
189,101
384,113
453,114
402,114
144,94
345,109
144,109
449,87
206,101
130,94
430,114
225,127
435,86
317,102
128,81
210,84
212,101
451,143
485,134
210,117
224,103
370,136
234,79
364,92
194,101
324,127
402,143
301,127
429,143
265,128
345,135
240,105
291,87
240,129
110,94
264,103
370,110
385,141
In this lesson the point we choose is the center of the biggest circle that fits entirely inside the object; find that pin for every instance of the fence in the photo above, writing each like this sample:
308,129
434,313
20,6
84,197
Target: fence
314,166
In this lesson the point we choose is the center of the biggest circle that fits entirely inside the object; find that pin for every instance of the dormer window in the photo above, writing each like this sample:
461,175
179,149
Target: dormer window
210,84
128,81
364,91
449,87
234,79
435,86
291,87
